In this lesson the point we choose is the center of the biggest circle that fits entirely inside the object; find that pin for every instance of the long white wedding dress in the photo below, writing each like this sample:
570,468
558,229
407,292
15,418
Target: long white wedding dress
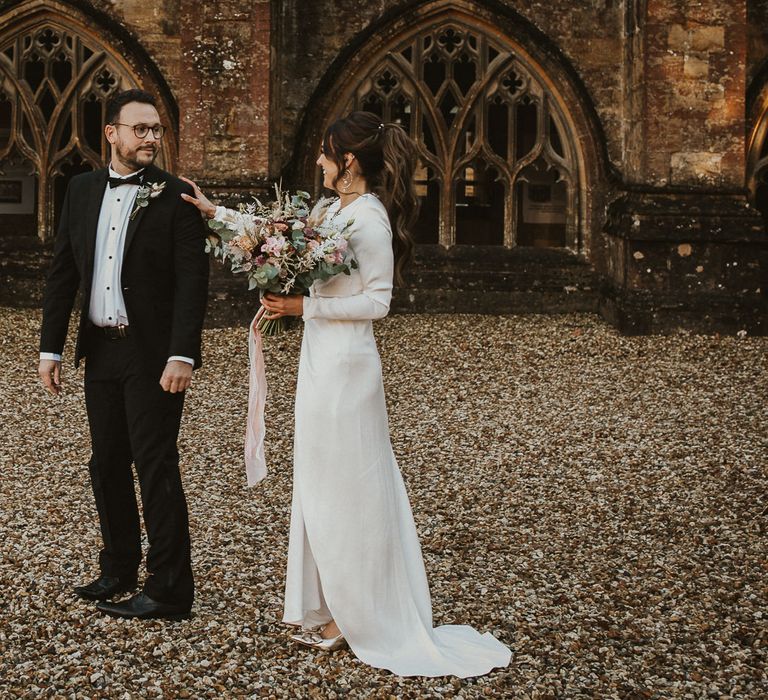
354,554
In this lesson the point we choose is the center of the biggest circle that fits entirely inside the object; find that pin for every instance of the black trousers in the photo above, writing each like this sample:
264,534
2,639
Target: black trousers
132,420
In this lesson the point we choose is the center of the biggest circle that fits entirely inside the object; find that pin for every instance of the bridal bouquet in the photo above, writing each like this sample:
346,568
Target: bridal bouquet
281,246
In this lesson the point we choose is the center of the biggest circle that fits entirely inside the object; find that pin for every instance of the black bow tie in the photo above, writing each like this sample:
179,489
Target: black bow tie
134,179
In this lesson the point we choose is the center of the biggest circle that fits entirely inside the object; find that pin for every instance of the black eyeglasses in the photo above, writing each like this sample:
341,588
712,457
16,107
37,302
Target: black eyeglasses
141,130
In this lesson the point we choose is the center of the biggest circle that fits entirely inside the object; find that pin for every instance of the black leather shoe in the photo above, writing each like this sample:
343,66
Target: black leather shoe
141,606
104,587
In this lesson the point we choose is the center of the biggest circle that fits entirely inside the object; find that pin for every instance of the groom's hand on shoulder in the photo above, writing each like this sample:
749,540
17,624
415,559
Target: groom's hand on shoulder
177,376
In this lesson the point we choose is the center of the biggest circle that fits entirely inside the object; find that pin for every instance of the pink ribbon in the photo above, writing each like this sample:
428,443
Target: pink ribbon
255,463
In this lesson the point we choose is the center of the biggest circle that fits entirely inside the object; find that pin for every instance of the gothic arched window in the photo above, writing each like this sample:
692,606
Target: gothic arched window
496,164
55,79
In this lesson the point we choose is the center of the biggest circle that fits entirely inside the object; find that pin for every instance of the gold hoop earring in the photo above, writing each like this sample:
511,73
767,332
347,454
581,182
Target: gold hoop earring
346,181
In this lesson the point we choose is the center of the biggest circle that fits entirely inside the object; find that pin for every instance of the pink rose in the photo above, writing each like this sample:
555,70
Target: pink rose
273,245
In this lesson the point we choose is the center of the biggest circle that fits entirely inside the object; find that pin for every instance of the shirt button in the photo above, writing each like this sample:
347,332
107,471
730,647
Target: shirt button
113,228
110,257
118,200
107,288
109,317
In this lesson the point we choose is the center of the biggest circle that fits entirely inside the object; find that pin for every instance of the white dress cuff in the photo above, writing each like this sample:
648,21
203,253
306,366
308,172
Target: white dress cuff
181,358
50,356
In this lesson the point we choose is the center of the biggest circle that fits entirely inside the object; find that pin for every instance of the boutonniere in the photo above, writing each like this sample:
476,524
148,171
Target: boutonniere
145,193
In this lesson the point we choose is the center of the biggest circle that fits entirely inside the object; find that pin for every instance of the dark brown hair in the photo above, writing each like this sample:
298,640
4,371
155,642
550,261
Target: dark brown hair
387,158
116,103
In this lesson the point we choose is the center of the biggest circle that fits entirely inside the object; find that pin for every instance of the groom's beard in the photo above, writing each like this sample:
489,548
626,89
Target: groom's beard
138,157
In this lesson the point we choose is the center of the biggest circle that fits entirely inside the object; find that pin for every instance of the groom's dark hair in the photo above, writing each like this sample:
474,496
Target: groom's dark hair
119,99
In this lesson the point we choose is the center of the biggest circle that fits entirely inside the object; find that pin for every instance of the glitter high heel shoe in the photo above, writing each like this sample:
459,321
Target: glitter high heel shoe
312,637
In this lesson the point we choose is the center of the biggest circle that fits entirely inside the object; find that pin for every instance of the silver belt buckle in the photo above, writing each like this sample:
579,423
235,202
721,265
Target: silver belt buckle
121,330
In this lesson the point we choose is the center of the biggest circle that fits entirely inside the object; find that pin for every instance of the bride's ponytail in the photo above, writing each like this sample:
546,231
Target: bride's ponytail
397,192
387,159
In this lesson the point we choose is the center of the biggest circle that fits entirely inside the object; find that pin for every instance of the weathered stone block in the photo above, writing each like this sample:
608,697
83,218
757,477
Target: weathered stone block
707,38
695,167
228,71
678,38
696,68
683,260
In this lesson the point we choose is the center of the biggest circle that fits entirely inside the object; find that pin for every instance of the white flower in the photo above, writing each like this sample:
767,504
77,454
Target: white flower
148,191
156,189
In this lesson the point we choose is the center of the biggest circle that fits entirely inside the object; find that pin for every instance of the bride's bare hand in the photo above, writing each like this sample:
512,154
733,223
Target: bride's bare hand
202,202
279,305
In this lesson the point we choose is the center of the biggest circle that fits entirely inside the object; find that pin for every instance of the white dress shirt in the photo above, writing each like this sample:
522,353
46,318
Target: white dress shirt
107,306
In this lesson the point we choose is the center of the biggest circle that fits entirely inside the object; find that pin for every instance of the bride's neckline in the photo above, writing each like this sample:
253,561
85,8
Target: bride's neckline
353,202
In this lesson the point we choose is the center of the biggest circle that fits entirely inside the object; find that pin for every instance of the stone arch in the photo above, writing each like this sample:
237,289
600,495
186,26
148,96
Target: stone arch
388,63
56,72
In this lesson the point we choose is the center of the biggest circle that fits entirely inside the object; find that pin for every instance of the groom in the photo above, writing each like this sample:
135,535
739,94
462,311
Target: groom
135,251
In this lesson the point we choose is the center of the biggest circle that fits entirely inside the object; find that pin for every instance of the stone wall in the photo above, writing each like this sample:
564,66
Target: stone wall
684,66
309,37
695,57
224,101
155,25
215,58
685,250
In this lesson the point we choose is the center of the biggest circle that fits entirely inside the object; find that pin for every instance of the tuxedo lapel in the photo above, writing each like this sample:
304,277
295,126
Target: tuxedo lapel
92,208
151,175
133,224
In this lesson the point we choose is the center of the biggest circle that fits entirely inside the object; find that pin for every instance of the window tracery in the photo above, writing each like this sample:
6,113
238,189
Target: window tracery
54,85
496,165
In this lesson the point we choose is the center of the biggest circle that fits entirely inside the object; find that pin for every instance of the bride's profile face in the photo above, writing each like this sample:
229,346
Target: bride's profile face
330,171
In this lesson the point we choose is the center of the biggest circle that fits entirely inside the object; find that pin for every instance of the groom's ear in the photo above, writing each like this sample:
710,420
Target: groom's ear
110,132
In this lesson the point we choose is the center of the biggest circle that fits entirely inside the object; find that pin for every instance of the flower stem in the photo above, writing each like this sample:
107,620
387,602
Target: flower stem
268,327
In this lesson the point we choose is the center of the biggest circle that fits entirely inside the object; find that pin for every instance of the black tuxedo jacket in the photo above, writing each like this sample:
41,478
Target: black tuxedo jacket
164,274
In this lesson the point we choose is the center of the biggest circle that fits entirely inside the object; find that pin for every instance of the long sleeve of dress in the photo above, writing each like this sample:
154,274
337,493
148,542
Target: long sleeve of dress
371,244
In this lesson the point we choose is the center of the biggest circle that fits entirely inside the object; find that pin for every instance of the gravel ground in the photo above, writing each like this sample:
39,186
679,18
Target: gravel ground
597,502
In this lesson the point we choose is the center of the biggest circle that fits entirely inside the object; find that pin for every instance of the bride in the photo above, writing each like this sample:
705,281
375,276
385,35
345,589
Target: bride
355,570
